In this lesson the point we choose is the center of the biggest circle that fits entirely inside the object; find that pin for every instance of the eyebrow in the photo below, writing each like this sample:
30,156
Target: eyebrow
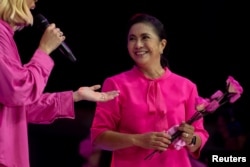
143,34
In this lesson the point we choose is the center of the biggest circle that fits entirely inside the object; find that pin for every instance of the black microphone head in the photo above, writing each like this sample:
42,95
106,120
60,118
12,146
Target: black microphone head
40,22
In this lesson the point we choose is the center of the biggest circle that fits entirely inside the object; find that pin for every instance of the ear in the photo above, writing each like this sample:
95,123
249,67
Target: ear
163,44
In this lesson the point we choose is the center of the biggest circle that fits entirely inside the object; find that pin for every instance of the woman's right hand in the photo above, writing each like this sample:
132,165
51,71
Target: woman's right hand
51,39
154,140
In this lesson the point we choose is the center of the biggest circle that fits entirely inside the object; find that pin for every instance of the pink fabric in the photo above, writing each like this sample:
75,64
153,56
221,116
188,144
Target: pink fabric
22,99
178,143
86,148
146,105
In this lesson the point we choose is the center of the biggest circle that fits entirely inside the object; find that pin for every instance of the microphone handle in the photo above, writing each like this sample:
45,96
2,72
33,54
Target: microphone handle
64,49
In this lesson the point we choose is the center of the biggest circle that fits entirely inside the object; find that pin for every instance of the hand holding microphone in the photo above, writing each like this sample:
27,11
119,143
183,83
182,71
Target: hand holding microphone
52,37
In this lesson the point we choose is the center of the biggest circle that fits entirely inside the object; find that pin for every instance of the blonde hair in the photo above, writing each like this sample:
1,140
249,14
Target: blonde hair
16,12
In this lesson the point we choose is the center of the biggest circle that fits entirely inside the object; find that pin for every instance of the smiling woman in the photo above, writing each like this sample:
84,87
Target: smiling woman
152,100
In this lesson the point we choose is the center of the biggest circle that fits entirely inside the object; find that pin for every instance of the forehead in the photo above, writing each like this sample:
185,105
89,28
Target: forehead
141,28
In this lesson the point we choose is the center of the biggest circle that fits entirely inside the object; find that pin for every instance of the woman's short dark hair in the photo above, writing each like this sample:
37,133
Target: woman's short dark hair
148,19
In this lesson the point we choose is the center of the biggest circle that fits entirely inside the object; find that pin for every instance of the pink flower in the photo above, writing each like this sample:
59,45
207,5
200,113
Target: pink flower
234,86
212,106
234,89
217,95
234,97
201,103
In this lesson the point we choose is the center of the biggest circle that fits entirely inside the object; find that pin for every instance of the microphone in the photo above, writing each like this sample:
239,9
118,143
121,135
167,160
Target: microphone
42,23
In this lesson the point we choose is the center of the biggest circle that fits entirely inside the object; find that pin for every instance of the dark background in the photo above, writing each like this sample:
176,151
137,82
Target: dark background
207,42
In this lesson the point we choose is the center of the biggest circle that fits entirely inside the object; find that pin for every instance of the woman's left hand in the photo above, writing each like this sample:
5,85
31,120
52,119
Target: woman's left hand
187,132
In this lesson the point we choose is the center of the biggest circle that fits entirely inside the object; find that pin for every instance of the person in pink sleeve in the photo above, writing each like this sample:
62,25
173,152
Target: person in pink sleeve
22,97
153,101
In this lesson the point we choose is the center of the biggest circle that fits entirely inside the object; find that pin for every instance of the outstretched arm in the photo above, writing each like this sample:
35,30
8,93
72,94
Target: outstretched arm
60,105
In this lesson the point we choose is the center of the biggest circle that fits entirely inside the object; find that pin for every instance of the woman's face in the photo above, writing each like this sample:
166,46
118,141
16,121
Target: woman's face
144,45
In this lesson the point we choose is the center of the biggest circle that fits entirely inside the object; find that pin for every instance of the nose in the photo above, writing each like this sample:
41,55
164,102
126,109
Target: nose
33,7
138,44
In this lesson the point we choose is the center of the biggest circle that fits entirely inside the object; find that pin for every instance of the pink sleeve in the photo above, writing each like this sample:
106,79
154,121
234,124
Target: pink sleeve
50,107
198,125
107,114
21,85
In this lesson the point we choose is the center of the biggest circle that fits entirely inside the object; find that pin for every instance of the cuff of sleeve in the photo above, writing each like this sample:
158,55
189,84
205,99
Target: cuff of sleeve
67,105
203,138
44,59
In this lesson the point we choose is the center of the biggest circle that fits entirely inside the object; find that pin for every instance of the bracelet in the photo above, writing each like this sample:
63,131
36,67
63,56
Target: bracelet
193,142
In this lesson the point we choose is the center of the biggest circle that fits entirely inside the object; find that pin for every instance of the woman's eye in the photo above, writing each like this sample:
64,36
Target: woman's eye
145,37
131,38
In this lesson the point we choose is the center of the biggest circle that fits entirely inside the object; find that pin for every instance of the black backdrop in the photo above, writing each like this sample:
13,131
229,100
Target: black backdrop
207,41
